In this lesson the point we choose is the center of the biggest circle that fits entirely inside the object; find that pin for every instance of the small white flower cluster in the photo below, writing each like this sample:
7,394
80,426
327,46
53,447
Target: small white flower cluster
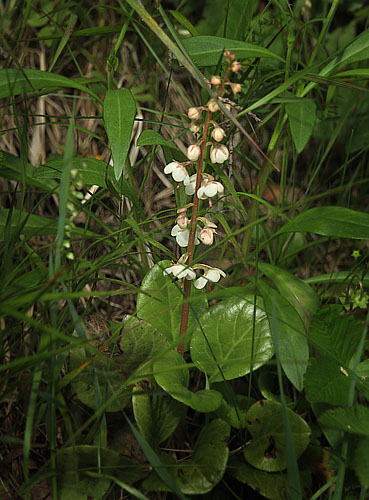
181,271
201,185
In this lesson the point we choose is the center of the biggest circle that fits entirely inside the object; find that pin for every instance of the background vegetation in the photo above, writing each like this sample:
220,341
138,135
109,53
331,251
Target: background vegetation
270,399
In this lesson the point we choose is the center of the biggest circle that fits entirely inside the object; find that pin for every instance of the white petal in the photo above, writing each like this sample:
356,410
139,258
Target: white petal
212,275
191,275
182,238
179,174
170,167
168,270
175,230
190,179
201,193
220,187
200,282
211,189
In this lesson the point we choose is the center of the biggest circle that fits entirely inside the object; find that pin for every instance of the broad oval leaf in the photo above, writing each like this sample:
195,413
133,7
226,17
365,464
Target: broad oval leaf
209,460
269,486
298,293
301,116
157,415
207,50
325,382
171,373
119,115
140,342
267,450
109,372
222,345
161,303
337,222
290,334
354,420
203,472
73,463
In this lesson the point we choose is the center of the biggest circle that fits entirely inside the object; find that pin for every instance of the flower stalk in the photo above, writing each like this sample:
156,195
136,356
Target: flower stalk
201,185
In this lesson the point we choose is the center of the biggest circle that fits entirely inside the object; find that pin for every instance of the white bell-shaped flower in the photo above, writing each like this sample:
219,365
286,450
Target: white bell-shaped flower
209,189
190,183
193,152
182,236
206,236
178,171
219,153
212,274
180,271
218,134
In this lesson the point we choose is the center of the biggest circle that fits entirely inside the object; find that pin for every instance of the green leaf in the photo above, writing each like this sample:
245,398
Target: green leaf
92,171
15,81
119,116
269,387
183,21
161,303
273,486
157,415
73,463
298,293
12,167
207,50
151,138
171,374
206,468
34,225
360,462
325,382
221,347
292,338
209,460
109,371
140,342
335,335
354,420
301,115
266,451
358,50
338,222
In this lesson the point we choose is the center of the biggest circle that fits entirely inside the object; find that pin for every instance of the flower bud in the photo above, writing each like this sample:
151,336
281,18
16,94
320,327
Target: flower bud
219,153
215,80
193,114
206,236
236,66
182,221
228,54
194,127
193,152
236,88
218,134
213,105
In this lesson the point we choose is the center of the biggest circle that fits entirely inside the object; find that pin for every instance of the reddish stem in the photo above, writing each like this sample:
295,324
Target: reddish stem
195,209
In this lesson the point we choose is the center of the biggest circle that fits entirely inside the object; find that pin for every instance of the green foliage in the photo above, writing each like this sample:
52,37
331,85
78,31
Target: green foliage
266,451
119,114
232,339
91,110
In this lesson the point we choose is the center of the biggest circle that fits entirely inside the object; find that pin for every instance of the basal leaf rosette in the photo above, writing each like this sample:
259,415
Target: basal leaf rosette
221,345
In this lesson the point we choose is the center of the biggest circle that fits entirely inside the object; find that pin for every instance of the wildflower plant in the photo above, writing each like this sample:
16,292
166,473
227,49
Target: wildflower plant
201,185
213,352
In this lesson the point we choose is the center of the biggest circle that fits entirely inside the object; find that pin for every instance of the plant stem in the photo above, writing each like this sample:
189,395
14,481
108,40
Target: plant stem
191,238
194,215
